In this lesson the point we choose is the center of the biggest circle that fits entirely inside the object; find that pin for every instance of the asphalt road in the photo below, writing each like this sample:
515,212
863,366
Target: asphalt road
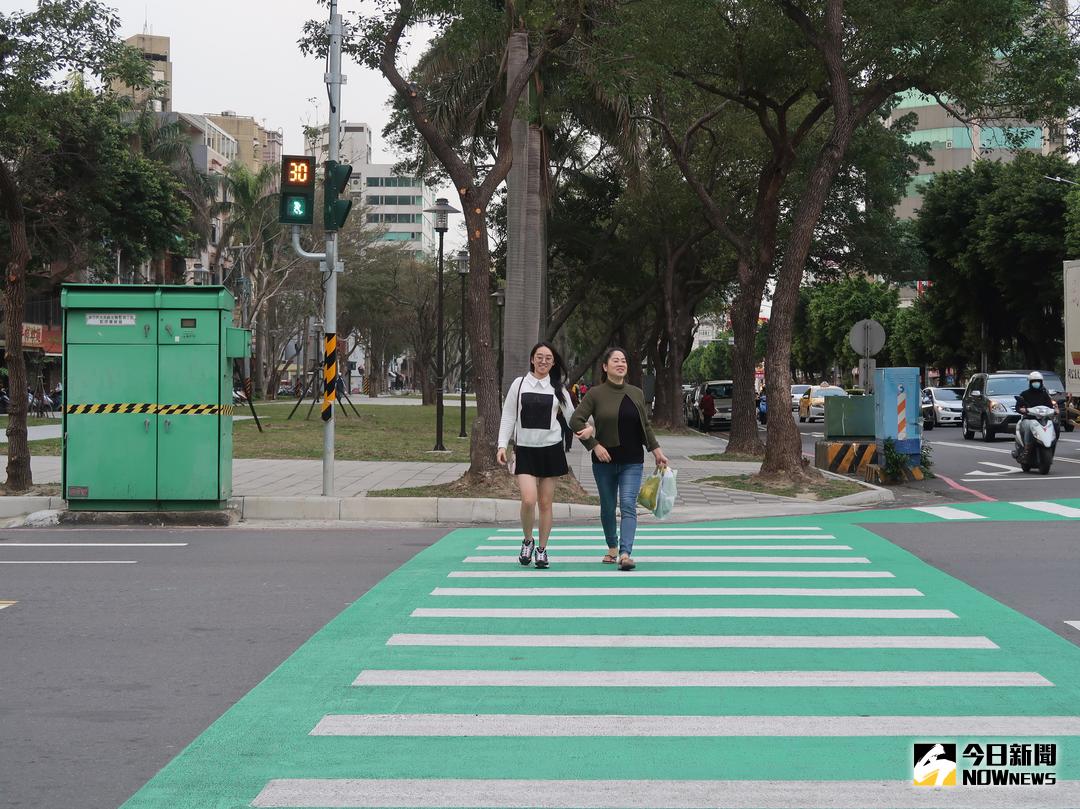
976,470
108,670
1033,568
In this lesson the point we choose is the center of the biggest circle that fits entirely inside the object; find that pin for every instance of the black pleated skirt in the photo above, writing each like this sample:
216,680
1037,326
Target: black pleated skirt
541,462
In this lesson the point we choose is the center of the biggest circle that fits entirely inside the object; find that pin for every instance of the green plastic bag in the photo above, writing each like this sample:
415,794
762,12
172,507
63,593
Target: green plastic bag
650,491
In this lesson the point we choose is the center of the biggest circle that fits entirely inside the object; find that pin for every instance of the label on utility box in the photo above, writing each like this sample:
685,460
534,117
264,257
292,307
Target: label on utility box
78,491
110,319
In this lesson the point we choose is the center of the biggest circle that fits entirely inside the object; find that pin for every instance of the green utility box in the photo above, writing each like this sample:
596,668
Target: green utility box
148,397
849,417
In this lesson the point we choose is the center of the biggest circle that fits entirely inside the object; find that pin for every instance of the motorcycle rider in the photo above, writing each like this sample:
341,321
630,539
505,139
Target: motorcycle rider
1034,396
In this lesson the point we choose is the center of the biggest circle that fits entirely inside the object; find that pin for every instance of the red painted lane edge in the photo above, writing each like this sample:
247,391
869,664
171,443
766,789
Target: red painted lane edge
960,488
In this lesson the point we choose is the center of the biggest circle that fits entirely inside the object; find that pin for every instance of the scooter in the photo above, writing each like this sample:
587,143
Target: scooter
1043,440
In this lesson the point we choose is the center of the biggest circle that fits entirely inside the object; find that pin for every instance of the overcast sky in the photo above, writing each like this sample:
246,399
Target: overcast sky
242,55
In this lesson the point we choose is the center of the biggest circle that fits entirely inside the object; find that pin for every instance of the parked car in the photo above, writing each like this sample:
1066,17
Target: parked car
812,402
989,404
942,407
721,392
796,393
1056,388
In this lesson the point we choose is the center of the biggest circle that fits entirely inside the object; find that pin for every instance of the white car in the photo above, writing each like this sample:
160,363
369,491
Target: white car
942,407
796,393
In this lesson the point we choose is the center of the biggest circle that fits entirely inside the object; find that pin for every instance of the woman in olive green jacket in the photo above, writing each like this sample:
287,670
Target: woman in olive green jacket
618,437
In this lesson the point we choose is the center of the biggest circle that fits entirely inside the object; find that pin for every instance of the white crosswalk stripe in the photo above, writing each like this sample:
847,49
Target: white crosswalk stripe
663,574
576,592
1049,508
699,641
949,513
555,546
459,793
676,612
747,560
559,678
678,537
652,529
621,725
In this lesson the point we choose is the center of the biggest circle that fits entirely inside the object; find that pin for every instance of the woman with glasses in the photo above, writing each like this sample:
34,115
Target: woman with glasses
536,408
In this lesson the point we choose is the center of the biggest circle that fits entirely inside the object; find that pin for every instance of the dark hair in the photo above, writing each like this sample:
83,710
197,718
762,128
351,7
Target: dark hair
558,370
607,356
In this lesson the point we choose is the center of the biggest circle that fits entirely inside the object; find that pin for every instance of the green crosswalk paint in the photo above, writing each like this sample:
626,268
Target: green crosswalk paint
264,744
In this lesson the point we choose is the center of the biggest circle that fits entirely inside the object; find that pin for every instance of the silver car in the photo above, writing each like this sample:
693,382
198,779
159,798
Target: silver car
942,407
990,404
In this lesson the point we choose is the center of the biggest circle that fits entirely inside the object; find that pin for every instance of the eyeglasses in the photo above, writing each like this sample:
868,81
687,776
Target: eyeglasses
545,360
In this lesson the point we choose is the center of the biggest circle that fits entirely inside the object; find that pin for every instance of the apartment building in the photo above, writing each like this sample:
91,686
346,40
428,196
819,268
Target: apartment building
256,145
155,50
393,202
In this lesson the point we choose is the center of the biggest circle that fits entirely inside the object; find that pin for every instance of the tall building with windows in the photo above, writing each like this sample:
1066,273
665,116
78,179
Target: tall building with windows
392,202
954,144
155,50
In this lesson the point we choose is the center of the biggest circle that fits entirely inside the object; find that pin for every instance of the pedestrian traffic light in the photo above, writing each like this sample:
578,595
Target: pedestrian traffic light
297,190
335,210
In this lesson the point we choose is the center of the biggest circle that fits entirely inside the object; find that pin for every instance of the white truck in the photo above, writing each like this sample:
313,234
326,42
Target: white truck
1071,274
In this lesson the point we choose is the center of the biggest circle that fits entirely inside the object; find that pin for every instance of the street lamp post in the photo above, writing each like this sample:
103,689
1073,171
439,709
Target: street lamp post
442,210
500,301
463,272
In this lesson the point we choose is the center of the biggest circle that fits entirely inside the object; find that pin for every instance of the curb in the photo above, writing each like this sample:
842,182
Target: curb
21,506
396,509
875,495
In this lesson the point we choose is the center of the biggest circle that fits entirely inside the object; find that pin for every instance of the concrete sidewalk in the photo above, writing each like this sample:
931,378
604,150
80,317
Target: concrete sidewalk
291,489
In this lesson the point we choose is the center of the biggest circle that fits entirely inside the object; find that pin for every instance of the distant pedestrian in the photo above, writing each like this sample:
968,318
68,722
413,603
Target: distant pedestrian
619,432
537,406
708,410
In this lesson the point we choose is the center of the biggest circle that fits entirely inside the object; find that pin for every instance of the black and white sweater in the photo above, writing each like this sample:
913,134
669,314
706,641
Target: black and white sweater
534,422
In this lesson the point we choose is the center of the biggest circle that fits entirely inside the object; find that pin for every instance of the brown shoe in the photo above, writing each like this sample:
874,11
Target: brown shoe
610,557
626,563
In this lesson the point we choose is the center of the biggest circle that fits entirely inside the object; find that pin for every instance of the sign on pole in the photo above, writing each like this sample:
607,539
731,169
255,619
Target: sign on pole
867,338
1071,272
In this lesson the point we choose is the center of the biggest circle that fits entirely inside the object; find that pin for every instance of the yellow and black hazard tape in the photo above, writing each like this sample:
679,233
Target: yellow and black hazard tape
112,408
846,457
163,410
329,377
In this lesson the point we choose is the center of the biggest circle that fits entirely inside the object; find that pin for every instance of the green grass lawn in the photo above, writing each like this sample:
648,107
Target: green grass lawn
825,489
381,433
728,456
30,422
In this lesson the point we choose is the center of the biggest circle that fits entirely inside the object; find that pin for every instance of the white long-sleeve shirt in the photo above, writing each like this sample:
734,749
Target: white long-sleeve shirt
533,422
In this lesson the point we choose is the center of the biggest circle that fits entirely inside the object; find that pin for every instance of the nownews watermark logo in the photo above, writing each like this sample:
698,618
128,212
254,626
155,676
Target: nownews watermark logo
985,764
935,765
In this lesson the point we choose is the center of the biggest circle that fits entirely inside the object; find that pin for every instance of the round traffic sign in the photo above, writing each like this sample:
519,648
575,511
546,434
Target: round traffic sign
867,338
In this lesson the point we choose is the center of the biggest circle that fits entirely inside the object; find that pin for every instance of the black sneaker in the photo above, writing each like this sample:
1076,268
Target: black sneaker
526,552
541,558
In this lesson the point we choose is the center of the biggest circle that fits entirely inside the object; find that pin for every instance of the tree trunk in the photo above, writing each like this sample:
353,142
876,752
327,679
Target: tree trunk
743,438
676,318
19,477
783,452
526,252
485,428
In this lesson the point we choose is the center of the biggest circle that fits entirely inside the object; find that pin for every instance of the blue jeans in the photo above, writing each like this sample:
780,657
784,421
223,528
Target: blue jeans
618,483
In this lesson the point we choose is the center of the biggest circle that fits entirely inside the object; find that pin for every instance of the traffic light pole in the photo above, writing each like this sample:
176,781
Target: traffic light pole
334,80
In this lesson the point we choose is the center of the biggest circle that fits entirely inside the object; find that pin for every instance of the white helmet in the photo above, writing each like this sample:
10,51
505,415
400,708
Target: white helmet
1035,376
